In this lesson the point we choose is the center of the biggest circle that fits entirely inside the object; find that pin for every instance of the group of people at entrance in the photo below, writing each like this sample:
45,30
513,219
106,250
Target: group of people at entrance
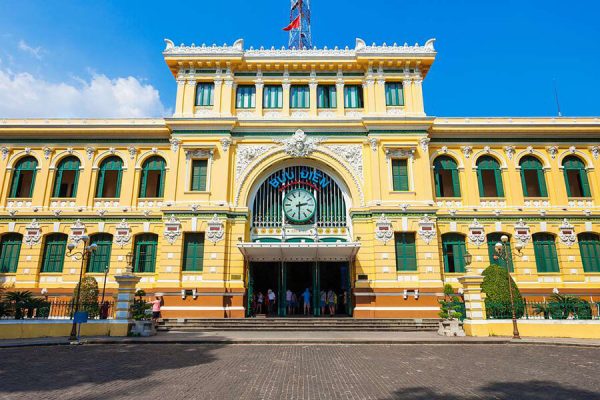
300,303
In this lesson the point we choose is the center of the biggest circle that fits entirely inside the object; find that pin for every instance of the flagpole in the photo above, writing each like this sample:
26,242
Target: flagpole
300,28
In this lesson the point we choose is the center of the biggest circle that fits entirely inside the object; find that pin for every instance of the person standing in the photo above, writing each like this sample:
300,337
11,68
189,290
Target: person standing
306,299
331,302
156,303
323,302
288,301
271,297
260,299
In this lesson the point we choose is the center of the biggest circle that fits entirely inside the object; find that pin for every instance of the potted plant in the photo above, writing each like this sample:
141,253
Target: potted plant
450,313
141,314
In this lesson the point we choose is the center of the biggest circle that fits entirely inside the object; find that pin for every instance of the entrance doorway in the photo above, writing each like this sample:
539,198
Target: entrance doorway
318,277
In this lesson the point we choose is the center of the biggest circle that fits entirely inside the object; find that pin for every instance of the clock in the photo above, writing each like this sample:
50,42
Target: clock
299,205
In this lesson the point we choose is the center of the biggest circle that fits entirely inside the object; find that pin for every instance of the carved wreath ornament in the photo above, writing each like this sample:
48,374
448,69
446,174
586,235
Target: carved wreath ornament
383,229
299,145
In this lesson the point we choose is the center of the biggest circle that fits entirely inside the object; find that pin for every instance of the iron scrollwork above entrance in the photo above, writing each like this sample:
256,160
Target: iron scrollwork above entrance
299,204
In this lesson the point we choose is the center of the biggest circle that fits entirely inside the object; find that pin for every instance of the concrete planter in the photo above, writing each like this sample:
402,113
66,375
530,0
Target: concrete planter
451,327
143,328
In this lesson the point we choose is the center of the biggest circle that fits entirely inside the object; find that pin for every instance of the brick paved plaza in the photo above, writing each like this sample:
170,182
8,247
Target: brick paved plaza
172,371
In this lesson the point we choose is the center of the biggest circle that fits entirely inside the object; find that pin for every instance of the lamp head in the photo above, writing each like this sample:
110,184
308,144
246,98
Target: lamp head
85,238
71,246
519,246
93,247
504,238
129,258
498,247
468,258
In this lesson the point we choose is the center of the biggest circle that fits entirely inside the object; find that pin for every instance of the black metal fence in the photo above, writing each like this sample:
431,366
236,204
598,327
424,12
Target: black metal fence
544,310
55,309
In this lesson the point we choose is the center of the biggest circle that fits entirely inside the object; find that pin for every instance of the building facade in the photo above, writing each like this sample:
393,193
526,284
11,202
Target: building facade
293,169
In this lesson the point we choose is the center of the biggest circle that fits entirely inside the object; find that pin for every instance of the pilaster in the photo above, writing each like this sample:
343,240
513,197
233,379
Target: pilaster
189,99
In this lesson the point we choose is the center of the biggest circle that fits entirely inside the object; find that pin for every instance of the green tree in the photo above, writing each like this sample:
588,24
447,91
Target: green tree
21,301
564,306
450,306
89,296
497,301
140,306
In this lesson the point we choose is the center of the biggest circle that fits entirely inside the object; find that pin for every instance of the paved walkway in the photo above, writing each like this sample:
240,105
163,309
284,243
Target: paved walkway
233,371
301,337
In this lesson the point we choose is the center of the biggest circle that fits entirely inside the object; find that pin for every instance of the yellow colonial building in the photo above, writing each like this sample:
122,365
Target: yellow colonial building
292,169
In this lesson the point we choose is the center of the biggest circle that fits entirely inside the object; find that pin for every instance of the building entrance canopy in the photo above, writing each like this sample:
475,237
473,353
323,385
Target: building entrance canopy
298,252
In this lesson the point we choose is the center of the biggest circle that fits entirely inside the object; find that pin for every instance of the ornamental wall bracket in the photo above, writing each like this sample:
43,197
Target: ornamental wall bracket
33,233
373,143
215,229
426,229
123,233
476,233
132,152
522,232
300,145
175,142
424,142
566,233
225,143
467,151
77,231
172,229
595,152
383,229
510,151
4,151
47,152
90,152
553,151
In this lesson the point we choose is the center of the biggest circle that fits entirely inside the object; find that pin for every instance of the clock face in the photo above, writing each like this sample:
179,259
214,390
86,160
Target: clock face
299,205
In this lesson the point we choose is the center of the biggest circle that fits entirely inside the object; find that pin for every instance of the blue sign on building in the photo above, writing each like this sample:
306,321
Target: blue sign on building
309,176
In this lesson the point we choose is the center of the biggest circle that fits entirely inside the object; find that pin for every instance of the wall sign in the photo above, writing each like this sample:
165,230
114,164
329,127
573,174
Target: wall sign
307,176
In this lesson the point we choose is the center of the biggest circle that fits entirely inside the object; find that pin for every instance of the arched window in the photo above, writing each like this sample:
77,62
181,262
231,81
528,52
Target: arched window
145,252
67,175
532,177
489,177
23,179
492,239
589,246
576,178
109,178
546,258
100,259
10,247
445,172
454,250
153,177
54,252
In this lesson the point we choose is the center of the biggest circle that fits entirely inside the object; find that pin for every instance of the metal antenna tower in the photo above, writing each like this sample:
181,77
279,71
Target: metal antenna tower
300,37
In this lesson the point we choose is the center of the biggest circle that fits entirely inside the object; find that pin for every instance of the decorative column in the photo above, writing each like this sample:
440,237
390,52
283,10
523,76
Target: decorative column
419,107
408,96
123,302
474,324
179,98
228,93
259,97
285,111
339,88
189,100
313,110
217,98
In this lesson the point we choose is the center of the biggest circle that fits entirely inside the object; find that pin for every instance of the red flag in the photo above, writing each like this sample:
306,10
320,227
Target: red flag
293,25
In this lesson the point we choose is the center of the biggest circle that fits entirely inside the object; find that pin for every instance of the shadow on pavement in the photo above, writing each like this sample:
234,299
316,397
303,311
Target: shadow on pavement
62,367
530,390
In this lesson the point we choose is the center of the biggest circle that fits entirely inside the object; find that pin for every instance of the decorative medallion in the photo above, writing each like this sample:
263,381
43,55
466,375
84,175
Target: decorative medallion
172,229
383,229
123,233
476,233
566,233
5,150
426,229
77,231
132,152
175,142
522,232
33,233
424,142
510,151
47,152
594,149
373,143
90,152
299,145
215,229
553,151
467,151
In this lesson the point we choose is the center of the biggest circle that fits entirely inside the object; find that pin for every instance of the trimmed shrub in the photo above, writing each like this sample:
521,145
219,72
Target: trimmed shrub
495,286
88,300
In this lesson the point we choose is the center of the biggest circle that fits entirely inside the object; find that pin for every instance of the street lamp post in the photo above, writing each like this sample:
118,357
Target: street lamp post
501,249
83,256
104,285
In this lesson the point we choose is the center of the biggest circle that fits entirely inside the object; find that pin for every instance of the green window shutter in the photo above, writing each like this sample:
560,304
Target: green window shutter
10,248
54,253
273,96
438,181
67,164
572,163
199,174
499,183
542,183
589,246
406,255
145,252
353,96
455,183
193,257
454,249
205,94
300,96
524,183
394,95
101,257
567,184
153,164
109,164
585,184
400,175
546,258
24,166
245,96
480,182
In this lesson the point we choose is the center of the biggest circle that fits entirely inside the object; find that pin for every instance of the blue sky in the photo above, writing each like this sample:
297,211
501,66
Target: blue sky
495,58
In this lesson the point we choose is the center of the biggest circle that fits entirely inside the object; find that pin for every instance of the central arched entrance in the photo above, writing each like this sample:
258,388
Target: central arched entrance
300,238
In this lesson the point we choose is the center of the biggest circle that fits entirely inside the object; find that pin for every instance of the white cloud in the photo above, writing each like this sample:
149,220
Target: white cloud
24,96
34,51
